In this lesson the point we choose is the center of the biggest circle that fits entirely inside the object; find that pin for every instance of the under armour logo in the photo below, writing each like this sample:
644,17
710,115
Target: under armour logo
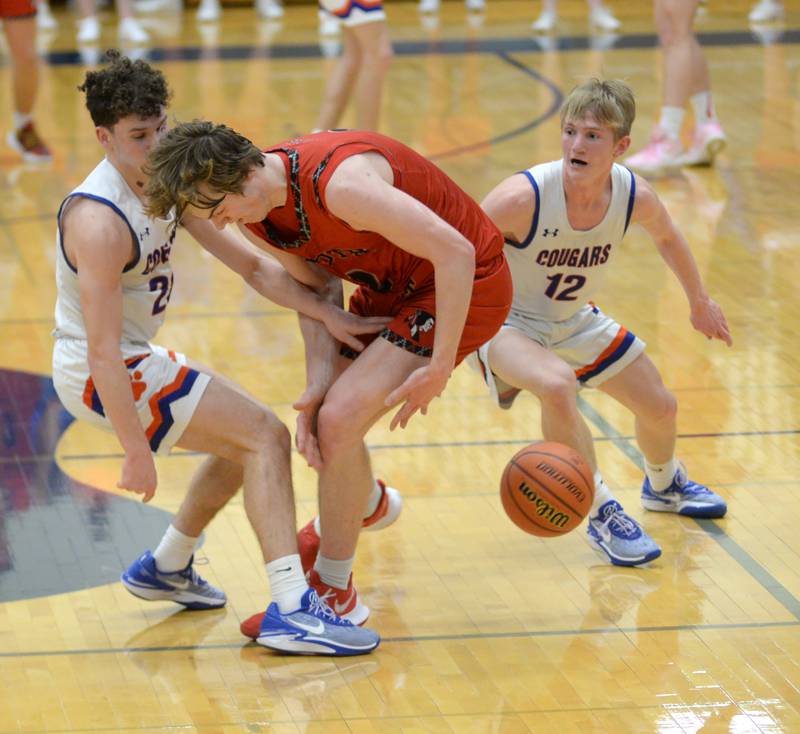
144,234
547,232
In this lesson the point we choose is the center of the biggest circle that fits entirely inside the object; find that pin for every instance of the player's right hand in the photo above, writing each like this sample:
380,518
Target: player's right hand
345,326
305,437
139,475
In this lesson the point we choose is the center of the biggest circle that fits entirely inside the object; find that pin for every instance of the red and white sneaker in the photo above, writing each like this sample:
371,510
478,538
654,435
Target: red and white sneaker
28,144
661,155
707,143
344,602
388,510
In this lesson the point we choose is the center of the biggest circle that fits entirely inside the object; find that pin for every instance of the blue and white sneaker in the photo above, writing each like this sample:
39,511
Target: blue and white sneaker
143,579
620,537
313,629
684,497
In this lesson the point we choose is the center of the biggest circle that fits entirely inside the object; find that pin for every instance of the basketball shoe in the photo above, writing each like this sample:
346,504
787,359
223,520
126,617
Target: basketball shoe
143,579
659,156
28,144
313,629
601,17
684,497
344,603
388,510
707,143
614,532
766,11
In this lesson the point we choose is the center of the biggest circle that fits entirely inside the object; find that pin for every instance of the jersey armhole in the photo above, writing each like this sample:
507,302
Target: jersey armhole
631,200
115,208
535,221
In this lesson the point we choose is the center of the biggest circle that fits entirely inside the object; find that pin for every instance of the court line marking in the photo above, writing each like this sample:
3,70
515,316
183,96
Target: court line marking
423,638
437,444
760,574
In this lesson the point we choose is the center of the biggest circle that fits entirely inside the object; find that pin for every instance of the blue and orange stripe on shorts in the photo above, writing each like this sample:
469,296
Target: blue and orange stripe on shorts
366,6
620,344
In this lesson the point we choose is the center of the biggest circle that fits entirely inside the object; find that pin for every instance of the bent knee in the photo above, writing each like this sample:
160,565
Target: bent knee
662,407
335,428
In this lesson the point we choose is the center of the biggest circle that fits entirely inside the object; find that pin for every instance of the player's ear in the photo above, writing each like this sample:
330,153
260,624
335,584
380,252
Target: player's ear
622,145
103,135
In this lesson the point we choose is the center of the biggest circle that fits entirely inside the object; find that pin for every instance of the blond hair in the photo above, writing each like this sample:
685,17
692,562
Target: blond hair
195,153
610,102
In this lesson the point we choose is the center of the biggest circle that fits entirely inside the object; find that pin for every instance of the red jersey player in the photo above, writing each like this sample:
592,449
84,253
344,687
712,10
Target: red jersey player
361,207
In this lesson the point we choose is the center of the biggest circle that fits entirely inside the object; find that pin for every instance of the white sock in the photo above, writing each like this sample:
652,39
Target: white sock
703,107
602,494
661,475
20,120
671,121
334,573
287,582
372,505
174,551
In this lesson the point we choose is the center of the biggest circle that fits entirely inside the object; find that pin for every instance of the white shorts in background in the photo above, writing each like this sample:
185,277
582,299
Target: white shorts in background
593,344
355,12
166,391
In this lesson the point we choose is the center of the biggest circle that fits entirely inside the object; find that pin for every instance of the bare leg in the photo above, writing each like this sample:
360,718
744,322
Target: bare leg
376,57
523,363
680,49
351,407
21,37
640,389
341,82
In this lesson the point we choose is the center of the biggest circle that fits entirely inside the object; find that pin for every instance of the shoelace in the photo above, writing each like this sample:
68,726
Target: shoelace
319,608
619,520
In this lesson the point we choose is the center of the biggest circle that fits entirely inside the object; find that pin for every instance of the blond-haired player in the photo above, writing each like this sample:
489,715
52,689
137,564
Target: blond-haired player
564,222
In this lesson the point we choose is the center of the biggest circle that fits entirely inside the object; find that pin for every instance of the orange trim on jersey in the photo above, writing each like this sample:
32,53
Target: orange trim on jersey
172,356
607,352
166,391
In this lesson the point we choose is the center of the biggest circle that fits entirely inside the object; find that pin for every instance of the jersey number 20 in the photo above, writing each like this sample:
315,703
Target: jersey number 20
572,283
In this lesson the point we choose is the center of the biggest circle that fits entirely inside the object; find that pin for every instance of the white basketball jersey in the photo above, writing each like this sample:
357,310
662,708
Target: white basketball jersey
146,282
557,269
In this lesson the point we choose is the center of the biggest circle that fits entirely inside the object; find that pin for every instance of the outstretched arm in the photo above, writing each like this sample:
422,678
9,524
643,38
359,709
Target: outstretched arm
706,315
271,280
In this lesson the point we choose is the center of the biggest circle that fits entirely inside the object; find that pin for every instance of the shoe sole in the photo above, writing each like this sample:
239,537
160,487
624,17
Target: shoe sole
626,562
290,643
27,156
149,594
697,512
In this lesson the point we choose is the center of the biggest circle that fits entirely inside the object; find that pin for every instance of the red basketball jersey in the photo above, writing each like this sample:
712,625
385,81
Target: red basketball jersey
305,227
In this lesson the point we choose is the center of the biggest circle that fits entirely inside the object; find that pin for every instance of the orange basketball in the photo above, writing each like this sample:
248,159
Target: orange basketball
547,489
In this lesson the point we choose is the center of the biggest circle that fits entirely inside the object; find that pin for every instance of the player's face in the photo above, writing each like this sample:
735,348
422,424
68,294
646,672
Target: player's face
589,147
245,208
130,140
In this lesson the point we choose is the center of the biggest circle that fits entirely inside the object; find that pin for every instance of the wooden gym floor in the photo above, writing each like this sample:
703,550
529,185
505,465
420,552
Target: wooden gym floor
485,629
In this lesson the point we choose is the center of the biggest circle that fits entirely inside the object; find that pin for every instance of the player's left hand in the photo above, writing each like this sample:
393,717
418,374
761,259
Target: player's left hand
419,388
708,319
344,326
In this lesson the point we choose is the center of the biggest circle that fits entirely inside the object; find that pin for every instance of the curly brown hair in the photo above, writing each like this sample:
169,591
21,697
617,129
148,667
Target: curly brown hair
193,154
124,88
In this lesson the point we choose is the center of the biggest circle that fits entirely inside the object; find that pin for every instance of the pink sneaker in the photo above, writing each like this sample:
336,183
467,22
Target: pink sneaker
660,155
708,141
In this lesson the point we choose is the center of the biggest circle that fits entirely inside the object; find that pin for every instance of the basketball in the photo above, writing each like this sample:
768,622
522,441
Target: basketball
547,489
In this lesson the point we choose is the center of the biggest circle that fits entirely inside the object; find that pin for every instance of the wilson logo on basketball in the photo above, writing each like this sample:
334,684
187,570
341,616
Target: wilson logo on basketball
570,486
543,508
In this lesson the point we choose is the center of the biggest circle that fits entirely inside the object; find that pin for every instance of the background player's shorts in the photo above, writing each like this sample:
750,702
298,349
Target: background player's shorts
17,9
354,12
593,344
166,391
414,323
